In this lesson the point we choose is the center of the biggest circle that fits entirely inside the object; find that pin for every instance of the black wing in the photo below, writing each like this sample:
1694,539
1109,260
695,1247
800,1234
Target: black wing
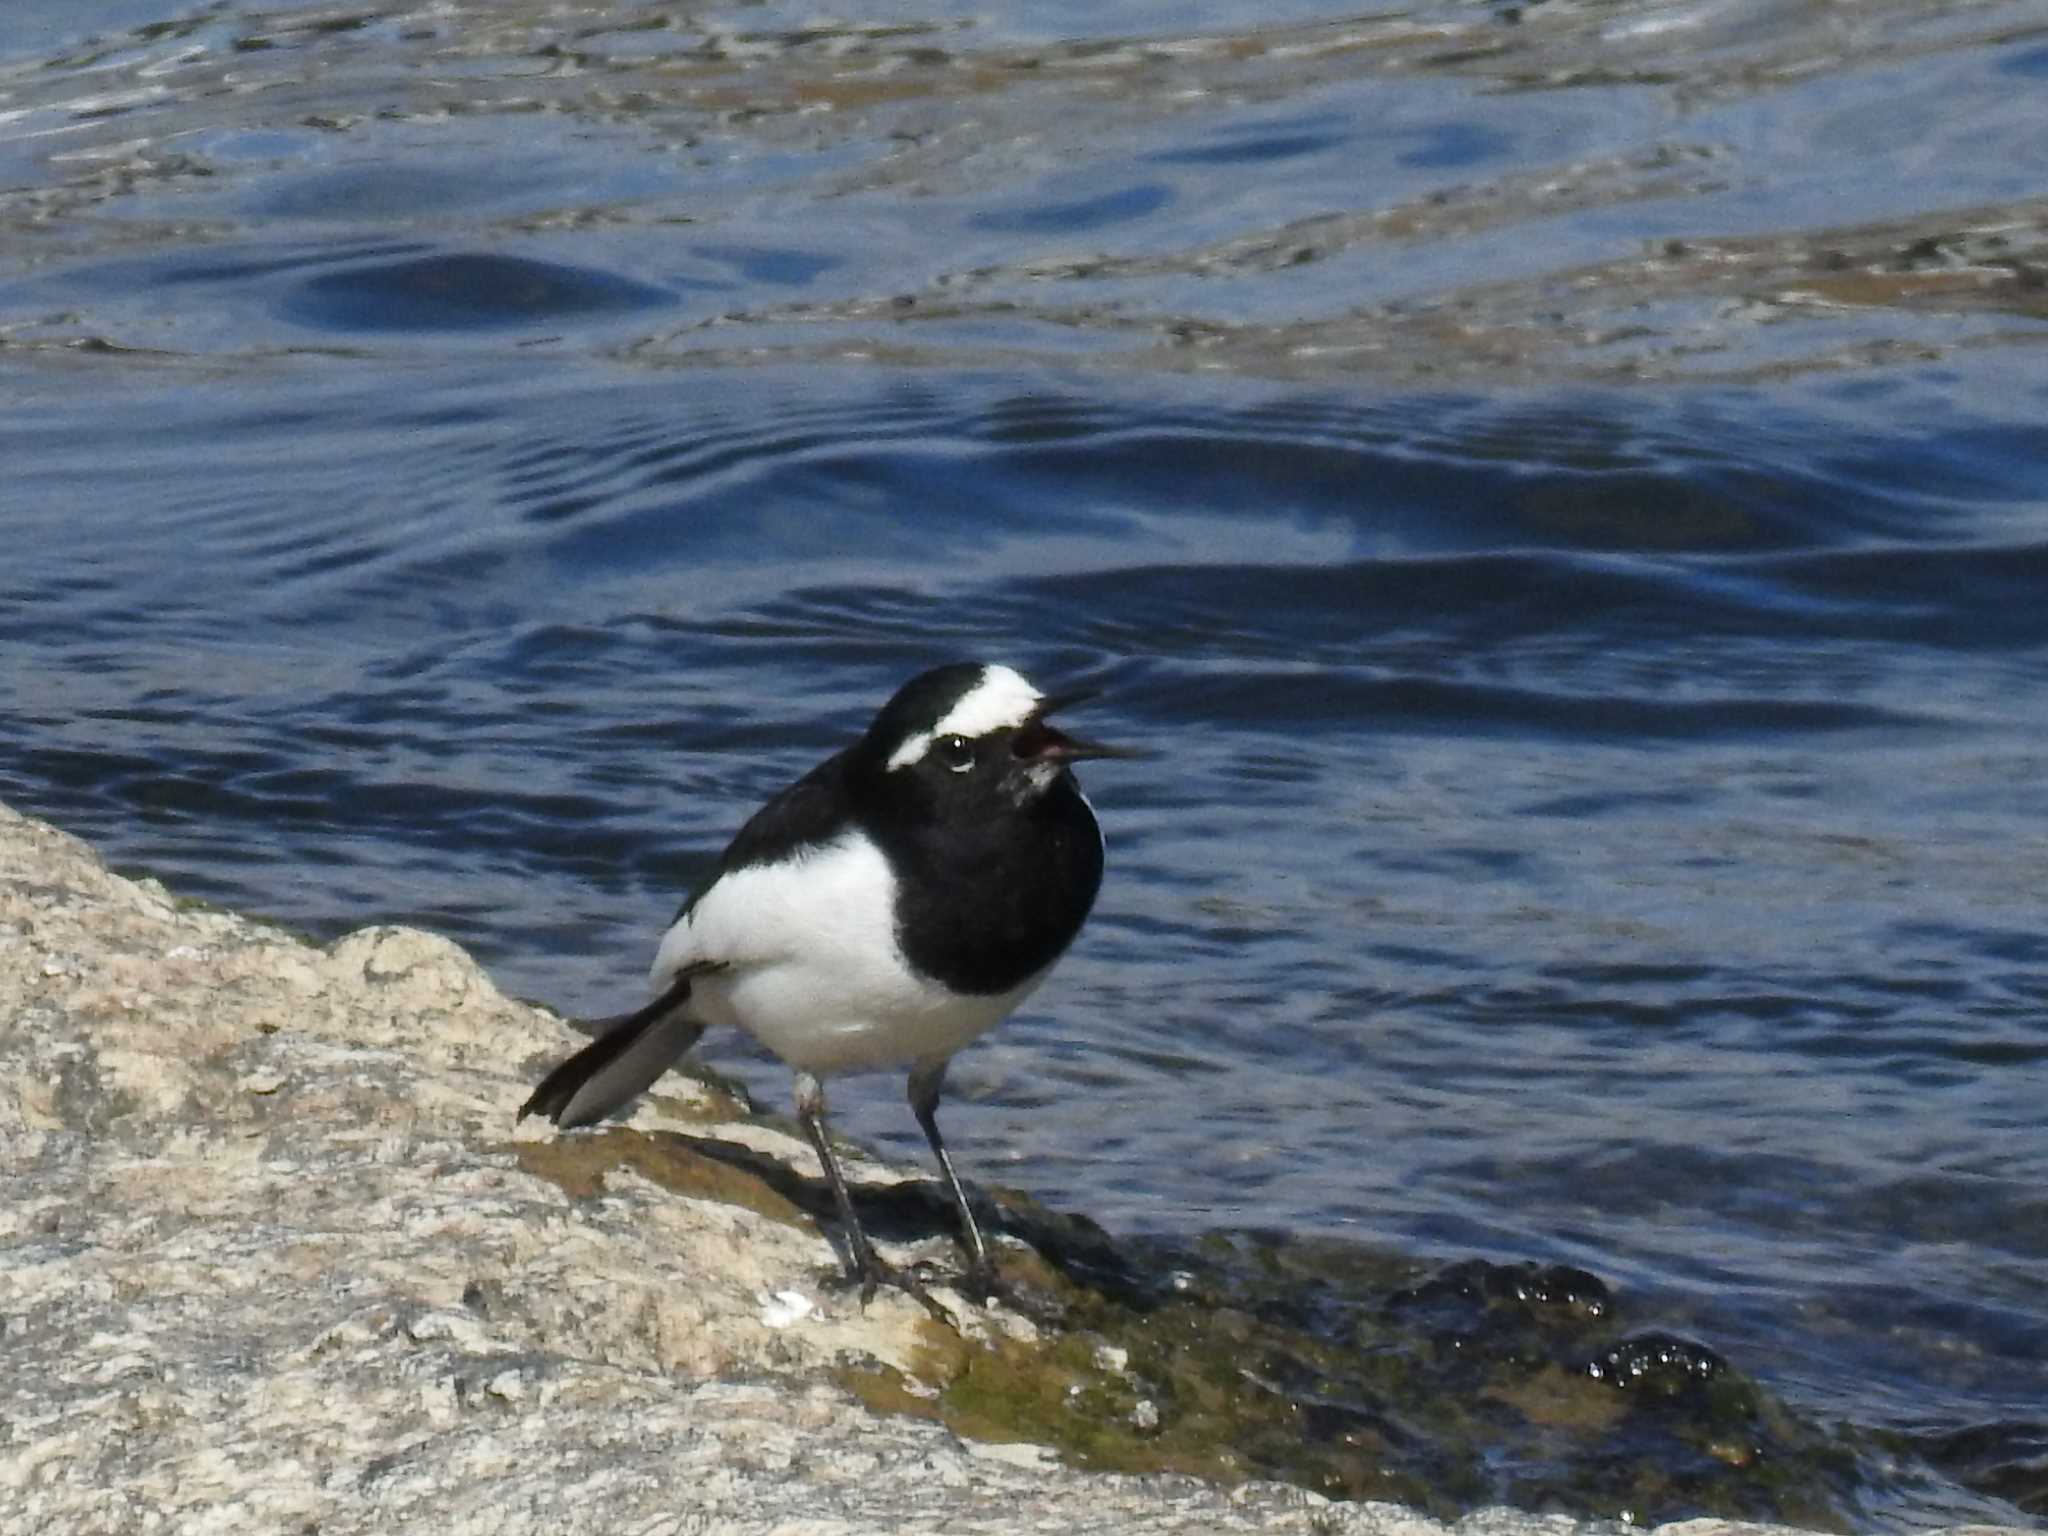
808,814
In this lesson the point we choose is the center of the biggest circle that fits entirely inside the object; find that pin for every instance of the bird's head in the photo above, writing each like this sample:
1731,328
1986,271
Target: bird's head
972,738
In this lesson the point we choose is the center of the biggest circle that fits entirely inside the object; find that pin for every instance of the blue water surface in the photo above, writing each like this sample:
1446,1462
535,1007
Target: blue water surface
454,470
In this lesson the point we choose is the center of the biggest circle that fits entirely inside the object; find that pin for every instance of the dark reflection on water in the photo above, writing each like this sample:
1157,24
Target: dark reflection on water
459,461
459,291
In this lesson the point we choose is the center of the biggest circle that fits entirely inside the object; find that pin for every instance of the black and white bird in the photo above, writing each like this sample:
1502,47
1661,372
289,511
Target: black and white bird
890,906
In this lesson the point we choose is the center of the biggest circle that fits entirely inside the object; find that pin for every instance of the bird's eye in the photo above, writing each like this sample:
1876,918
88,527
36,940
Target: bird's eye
956,752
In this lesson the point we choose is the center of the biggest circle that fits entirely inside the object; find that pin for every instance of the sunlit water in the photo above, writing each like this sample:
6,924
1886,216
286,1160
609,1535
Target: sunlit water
1558,487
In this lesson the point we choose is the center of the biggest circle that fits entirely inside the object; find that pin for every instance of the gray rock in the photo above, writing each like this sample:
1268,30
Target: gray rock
273,1259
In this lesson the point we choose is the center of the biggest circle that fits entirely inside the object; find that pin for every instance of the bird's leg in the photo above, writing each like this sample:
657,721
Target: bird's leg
810,1112
925,1082
867,1269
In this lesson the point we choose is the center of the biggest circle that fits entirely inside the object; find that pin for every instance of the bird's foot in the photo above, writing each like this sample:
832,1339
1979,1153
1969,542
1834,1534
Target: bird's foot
868,1273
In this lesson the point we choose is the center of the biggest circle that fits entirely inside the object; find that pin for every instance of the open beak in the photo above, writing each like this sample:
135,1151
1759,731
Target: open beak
1047,743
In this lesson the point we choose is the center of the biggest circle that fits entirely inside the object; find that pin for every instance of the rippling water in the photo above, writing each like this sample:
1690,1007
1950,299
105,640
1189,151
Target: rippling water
1559,486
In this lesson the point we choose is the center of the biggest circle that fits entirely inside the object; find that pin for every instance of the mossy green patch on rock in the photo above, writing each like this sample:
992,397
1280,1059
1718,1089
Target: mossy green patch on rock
884,1389
1552,1397
1369,1376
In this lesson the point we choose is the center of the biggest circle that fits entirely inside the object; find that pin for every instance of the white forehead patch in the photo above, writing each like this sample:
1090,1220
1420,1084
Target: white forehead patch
1001,699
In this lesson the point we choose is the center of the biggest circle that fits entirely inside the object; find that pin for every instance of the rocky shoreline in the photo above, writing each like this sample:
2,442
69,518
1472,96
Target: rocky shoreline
273,1258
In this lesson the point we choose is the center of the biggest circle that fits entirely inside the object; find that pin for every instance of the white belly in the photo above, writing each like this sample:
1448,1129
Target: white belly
812,970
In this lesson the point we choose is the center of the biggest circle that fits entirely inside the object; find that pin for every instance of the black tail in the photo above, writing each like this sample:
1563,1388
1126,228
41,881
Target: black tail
631,1051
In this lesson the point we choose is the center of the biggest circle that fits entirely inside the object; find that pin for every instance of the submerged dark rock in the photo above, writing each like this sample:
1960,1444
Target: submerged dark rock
1361,1374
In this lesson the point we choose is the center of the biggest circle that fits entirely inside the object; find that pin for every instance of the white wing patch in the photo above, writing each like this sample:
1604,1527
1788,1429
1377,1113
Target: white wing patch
836,900
1001,699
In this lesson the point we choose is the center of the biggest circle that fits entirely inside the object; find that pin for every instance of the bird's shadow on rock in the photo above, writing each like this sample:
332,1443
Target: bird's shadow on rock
1076,1250
1072,1253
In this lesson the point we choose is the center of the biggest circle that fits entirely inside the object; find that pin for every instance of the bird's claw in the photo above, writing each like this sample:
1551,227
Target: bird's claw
869,1274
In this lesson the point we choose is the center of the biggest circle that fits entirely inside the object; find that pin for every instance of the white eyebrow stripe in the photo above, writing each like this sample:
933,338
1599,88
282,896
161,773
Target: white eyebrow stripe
1001,699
